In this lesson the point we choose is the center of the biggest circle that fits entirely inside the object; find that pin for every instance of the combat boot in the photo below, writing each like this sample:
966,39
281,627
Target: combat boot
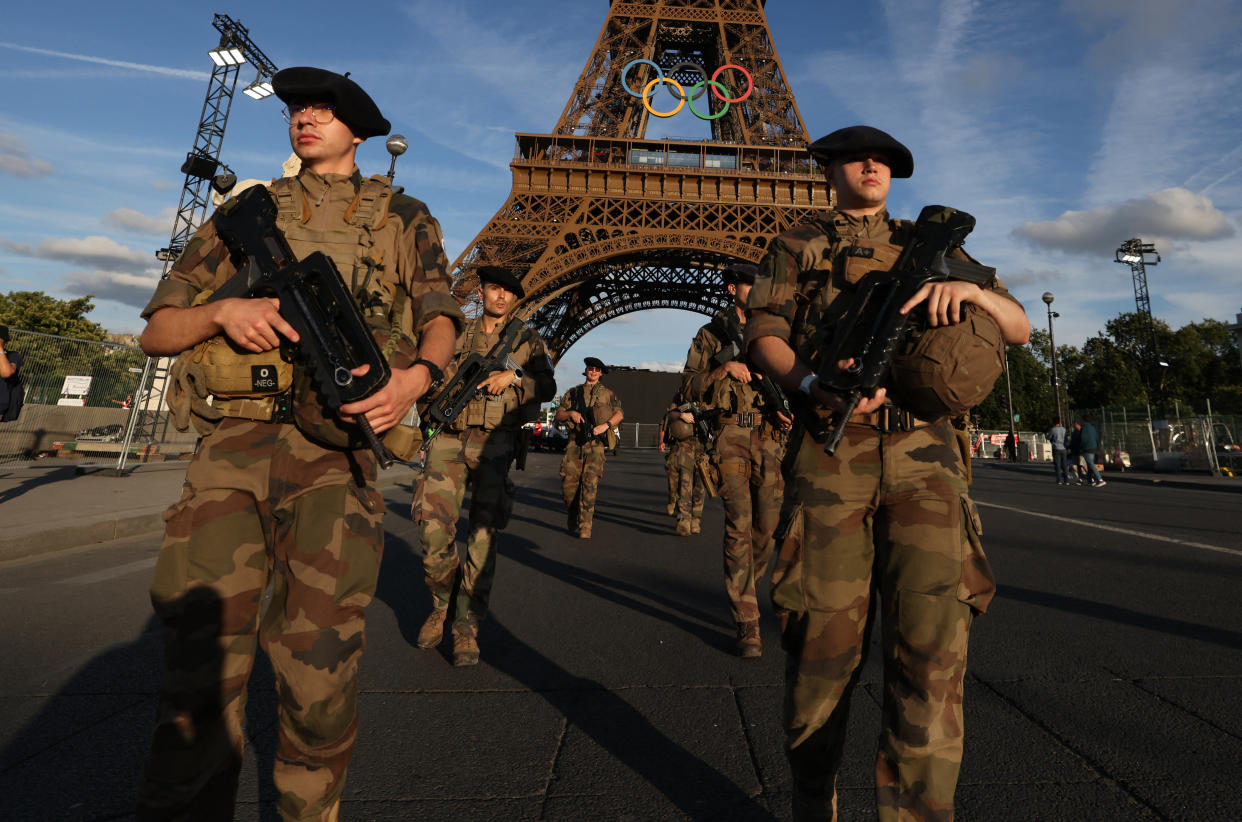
749,646
696,527
584,531
432,632
465,643
683,527
672,508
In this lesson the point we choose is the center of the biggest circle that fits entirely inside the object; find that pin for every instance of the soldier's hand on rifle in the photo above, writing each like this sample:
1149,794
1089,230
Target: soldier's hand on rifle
599,429
685,416
735,369
388,406
497,382
785,420
865,406
577,418
254,324
944,301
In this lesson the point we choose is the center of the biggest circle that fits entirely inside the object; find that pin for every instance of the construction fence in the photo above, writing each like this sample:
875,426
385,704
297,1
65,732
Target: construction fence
78,398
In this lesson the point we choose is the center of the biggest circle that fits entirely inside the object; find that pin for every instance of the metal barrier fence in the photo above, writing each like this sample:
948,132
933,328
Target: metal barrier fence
1131,439
76,392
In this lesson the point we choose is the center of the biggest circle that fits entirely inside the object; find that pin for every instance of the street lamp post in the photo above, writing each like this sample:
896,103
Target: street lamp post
1052,350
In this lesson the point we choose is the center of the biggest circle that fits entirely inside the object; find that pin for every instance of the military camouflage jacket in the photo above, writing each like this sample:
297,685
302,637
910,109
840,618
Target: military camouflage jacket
601,401
519,403
808,267
400,252
727,392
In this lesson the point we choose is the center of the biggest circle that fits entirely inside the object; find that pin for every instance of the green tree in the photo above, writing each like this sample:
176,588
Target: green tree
36,311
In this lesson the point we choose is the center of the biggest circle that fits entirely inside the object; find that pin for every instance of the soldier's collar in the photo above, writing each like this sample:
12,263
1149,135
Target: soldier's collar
317,185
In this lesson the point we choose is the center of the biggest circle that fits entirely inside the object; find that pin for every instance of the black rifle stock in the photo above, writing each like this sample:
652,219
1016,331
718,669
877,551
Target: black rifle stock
705,420
872,326
464,387
333,335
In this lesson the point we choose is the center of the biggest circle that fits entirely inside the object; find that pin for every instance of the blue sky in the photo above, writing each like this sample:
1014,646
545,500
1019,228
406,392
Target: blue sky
1064,128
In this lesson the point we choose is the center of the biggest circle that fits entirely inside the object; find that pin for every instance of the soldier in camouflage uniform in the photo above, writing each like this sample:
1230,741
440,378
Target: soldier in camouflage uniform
476,449
665,447
747,453
888,513
269,503
685,452
583,464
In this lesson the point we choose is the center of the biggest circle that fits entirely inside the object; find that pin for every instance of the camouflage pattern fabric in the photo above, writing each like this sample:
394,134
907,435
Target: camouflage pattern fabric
670,472
581,469
888,513
262,504
751,488
481,460
690,493
748,460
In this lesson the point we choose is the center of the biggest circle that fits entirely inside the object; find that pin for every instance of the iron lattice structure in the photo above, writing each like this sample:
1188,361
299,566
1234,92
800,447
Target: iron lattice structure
1136,253
601,222
146,419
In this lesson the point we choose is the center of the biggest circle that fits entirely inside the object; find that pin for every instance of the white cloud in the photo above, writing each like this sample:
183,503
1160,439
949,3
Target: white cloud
1171,214
132,289
16,159
127,219
94,252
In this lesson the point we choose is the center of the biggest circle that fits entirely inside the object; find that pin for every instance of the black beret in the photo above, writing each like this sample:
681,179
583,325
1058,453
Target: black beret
502,277
740,273
859,138
596,362
354,107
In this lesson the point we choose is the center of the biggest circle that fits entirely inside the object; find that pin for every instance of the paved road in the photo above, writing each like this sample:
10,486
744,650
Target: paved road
1104,684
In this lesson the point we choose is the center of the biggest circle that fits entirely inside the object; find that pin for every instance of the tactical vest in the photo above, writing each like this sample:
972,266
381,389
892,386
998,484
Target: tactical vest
365,248
936,372
734,396
486,411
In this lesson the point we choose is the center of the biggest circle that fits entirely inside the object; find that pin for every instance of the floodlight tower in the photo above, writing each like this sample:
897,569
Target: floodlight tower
1136,254
200,167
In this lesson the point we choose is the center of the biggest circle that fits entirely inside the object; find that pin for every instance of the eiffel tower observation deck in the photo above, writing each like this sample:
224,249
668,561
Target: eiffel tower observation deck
602,222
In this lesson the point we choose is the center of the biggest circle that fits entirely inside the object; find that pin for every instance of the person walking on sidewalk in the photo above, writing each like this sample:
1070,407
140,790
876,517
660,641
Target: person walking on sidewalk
476,450
12,392
592,411
1089,446
1056,438
276,540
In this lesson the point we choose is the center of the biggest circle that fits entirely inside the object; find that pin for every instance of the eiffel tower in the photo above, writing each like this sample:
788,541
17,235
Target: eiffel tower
602,222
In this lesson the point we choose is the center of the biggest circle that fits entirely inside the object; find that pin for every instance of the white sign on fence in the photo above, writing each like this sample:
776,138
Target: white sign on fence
76,387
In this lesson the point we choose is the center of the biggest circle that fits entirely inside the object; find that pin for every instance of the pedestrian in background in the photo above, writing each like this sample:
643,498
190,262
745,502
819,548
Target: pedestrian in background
12,393
1089,445
1056,438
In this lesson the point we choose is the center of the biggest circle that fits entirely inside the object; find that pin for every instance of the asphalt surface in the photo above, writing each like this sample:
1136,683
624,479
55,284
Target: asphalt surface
1104,682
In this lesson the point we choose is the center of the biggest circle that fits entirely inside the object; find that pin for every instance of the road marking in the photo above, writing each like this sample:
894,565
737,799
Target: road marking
1127,531
110,573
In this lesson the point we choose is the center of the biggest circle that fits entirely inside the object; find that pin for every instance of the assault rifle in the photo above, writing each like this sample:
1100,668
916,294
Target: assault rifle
464,387
775,400
871,326
333,337
583,431
705,420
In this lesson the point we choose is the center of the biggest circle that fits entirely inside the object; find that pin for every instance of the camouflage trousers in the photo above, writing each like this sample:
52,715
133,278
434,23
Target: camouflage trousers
751,488
481,460
670,469
581,469
262,507
689,494
888,513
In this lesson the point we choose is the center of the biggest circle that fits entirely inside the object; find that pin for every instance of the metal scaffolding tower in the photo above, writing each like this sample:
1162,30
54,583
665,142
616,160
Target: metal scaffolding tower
146,421
1136,253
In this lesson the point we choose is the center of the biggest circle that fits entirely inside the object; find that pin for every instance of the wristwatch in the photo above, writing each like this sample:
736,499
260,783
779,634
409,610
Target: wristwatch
517,376
437,376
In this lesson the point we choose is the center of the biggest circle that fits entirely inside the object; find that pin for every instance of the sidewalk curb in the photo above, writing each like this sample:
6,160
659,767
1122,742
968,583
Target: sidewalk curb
132,525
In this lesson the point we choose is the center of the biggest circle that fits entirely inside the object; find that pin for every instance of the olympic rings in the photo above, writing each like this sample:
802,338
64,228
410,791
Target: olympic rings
679,92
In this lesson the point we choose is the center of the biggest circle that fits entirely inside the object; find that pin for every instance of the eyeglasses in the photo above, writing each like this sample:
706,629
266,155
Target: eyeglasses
321,113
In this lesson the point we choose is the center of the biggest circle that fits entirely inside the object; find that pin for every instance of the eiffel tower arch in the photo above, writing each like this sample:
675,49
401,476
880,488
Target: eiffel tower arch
602,222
